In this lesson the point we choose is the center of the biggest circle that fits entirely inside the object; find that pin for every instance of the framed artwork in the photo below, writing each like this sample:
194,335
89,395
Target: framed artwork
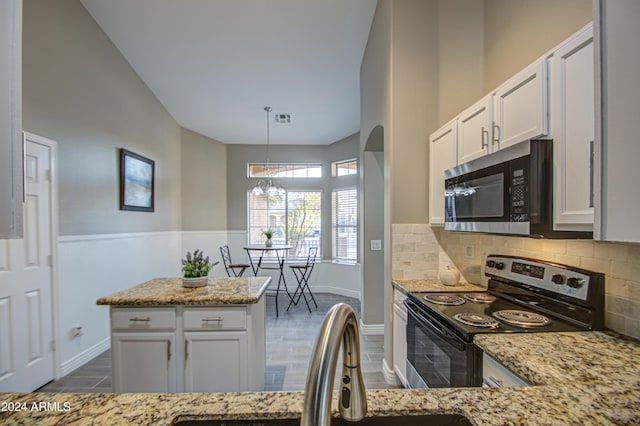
136,182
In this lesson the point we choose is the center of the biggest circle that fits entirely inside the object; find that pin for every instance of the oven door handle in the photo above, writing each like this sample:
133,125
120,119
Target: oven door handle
453,340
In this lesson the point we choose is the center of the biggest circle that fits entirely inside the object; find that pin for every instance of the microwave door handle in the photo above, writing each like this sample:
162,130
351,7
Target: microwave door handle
442,333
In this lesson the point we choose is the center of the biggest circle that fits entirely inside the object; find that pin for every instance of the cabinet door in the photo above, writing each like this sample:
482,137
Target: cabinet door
442,156
520,107
400,343
474,125
143,362
572,94
215,361
11,162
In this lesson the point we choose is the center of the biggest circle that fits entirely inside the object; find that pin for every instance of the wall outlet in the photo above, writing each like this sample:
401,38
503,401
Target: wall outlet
469,251
76,330
376,245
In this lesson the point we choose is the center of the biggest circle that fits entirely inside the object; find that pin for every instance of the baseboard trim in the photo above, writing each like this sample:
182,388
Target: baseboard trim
83,357
371,329
388,374
335,290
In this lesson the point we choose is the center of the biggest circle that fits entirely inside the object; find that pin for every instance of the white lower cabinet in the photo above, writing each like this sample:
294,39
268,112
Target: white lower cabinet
215,361
217,348
400,337
143,362
496,375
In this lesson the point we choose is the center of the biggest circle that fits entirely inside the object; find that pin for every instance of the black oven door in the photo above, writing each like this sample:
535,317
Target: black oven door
438,357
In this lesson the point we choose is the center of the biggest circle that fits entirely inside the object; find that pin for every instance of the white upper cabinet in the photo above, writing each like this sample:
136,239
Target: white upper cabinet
572,96
474,130
11,169
442,156
618,110
520,107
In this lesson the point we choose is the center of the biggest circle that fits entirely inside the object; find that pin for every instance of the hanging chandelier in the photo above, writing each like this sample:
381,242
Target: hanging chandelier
268,186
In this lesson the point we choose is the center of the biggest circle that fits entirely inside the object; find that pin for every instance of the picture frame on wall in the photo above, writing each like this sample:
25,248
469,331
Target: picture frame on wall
136,182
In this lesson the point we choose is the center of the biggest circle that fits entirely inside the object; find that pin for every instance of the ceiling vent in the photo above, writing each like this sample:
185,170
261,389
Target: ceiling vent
283,118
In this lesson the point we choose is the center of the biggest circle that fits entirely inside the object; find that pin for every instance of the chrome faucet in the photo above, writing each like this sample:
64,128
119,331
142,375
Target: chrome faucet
339,324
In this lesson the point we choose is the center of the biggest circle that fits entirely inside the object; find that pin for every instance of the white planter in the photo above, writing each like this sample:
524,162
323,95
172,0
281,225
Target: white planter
194,282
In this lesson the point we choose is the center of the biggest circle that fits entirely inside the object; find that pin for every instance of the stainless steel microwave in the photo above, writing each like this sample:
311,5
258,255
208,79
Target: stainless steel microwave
507,192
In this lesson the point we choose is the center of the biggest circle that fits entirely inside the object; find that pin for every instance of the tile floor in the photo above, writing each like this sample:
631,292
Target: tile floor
289,340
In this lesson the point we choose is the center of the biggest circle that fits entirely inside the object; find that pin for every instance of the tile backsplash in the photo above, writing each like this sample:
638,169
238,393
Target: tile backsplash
418,252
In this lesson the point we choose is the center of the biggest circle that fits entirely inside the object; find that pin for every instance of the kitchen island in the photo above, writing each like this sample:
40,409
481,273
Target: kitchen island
168,338
598,384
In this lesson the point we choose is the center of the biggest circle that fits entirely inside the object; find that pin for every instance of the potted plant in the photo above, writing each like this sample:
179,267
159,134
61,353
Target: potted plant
268,233
195,269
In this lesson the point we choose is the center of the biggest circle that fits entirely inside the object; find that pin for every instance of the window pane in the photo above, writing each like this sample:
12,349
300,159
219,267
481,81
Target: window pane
345,224
280,170
294,220
344,168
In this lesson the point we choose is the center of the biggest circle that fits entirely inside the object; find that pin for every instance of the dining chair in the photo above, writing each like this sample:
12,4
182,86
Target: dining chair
236,268
302,272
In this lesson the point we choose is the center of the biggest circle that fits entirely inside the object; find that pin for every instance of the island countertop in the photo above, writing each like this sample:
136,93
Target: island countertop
169,291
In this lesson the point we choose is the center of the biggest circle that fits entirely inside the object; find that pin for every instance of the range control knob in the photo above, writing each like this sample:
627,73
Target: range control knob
575,282
558,279
491,263
499,265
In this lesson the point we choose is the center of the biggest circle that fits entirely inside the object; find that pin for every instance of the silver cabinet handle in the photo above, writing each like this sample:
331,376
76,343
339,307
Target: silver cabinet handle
482,139
591,172
212,319
140,319
24,167
168,350
186,350
494,383
496,131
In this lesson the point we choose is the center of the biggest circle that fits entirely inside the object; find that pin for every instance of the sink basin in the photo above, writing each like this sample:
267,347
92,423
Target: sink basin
420,420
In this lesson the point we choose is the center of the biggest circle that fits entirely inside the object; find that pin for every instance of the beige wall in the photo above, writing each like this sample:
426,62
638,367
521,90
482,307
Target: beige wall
414,113
79,91
518,32
204,182
461,56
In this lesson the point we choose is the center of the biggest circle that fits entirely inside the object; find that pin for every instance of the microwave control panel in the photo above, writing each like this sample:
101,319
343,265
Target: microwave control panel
518,195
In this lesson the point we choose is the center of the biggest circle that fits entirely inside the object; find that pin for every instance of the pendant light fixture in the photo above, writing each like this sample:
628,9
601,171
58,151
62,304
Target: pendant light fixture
268,186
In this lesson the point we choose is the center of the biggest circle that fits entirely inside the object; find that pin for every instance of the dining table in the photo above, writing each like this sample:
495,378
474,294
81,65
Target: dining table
259,258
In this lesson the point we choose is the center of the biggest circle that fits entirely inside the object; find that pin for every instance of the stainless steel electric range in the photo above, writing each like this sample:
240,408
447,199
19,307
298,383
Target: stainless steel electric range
523,296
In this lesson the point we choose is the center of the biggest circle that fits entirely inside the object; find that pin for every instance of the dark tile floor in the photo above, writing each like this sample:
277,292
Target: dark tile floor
289,339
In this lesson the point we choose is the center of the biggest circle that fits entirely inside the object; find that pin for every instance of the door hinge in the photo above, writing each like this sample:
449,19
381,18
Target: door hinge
52,345
50,261
47,175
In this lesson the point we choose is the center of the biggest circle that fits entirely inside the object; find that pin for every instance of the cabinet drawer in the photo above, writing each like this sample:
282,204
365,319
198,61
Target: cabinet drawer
143,318
214,318
398,297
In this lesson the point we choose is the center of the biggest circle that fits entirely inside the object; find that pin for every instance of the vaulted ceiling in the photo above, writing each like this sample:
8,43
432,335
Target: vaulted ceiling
215,64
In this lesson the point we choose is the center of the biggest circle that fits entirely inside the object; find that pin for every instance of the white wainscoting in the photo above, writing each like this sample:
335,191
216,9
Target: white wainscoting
92,266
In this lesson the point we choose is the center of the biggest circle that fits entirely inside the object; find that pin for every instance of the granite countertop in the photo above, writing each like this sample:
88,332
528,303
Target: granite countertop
169,291
586,378
408,286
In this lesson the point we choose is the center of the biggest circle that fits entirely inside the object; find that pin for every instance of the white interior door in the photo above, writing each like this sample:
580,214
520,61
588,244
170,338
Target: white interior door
26,320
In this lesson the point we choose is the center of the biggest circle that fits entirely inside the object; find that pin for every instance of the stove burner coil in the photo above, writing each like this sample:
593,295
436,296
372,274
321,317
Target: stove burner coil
522,318
444,299
479,297
476,320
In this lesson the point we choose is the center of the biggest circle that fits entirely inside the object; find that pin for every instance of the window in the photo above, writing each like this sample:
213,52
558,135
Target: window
295,220
344,168
284,170
344,218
